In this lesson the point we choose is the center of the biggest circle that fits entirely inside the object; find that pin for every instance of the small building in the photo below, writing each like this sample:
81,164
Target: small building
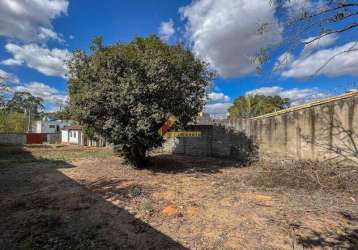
47,125
72,135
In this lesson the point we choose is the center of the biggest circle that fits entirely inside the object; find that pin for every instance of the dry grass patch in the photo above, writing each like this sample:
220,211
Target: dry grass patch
308,175
24,154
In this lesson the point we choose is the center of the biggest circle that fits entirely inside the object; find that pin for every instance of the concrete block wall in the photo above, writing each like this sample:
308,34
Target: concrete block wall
12,138
323,130
215,141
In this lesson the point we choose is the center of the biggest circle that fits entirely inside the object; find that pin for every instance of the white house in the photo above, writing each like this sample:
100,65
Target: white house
72,135
50,126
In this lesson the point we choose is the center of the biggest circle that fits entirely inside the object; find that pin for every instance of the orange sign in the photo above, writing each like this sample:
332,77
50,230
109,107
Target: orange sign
167,125
183,134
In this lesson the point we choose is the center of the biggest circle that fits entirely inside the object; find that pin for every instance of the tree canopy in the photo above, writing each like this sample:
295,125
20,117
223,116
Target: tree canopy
255,105
63,114
125,92
17,114
25,102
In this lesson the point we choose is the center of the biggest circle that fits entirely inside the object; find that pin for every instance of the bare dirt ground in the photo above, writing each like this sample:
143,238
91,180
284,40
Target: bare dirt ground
83,198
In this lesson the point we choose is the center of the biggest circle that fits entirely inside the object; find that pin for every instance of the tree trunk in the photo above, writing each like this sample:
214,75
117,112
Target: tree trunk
138,157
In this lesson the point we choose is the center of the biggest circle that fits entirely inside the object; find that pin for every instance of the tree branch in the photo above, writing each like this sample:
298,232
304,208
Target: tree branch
351,49
348,27
341,6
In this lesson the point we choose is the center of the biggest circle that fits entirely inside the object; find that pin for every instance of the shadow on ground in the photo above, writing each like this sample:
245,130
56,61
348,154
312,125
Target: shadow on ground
347,238
41,208
174,164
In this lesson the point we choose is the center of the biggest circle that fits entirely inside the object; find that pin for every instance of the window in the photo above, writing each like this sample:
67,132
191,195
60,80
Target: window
74,134
70,134
51,126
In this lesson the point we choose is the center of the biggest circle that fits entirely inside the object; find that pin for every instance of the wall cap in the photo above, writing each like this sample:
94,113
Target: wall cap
307,105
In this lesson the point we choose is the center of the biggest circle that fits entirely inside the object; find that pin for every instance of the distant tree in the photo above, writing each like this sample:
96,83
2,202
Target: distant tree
255,105
63,114
12,122
97,43
125,92
24,102
3,88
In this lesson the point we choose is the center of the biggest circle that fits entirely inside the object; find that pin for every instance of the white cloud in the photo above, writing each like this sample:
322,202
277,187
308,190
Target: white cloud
46,33
50,62
217,109
218,96
322,42
283,61
331,62
286,59
295,8
8,78
52,97
269,91
166,30
12,62
225,32
30,20
218,104
296,96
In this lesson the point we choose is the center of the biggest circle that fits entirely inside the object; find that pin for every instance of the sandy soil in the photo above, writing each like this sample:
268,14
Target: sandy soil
90,202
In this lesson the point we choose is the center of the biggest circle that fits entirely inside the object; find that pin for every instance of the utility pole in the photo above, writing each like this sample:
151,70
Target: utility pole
29,120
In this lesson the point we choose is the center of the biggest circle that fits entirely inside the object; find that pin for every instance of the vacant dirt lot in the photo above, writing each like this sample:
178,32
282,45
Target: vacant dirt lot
78,198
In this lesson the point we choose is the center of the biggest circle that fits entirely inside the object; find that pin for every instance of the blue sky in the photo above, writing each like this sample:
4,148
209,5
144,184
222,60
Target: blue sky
37,36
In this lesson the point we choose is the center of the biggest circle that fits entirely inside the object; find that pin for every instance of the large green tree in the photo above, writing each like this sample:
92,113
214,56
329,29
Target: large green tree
125,92
255,105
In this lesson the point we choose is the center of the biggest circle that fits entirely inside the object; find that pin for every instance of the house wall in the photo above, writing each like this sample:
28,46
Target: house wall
64,136
50,126
74,136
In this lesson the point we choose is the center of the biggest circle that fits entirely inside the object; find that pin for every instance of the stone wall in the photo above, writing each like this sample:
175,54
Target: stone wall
12,138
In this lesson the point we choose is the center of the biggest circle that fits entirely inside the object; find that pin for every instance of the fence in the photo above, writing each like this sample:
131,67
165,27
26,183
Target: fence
29,138
12,138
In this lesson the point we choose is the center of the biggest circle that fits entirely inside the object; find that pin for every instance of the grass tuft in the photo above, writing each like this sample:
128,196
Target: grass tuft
148,206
